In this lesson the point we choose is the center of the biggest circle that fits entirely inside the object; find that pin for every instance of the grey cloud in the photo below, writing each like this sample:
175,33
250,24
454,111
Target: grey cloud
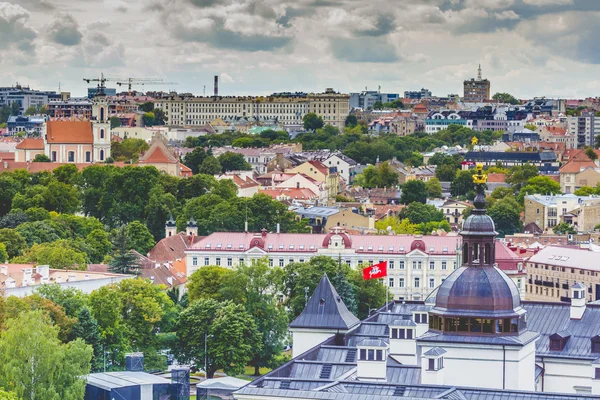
363,50
220,37
291,13
385,24
207,3
65,30
98,39
37,5
14,28
260,8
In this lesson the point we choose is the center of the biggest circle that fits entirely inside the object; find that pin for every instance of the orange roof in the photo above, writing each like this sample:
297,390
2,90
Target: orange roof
556,130
420,108
31,144
48,166
575,166
77,132
320,166
496,178
157,156
7,156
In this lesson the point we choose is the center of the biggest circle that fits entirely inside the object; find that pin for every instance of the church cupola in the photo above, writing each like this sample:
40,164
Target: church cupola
477,326
170,227
192,227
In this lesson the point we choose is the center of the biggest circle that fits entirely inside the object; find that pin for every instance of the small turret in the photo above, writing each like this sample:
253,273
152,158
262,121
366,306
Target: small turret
170,227
192,227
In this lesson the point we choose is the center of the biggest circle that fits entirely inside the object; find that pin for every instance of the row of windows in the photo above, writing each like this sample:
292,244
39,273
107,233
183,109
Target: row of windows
71,156
416,283
402,333
476,325
370,355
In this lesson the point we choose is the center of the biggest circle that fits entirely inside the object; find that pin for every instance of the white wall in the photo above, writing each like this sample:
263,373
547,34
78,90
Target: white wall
306,339
86,286
563,375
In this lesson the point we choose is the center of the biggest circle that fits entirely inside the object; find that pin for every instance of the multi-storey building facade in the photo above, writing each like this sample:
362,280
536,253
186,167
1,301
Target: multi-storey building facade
416,264
547,211
25,97
367,99
286,109
476,90
585,128
554,269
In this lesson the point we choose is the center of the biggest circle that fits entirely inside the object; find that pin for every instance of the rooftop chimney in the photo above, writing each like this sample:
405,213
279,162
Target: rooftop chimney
43,270
578,300
372,360
4,270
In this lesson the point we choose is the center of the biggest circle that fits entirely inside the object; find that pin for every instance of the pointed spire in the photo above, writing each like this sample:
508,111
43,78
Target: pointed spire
170,221
192,223
325,310
479,73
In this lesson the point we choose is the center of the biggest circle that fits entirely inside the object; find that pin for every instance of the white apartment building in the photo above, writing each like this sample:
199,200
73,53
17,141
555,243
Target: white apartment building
585,128
286,109
416,264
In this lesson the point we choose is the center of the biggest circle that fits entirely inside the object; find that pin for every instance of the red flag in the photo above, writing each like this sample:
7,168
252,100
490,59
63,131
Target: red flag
375,271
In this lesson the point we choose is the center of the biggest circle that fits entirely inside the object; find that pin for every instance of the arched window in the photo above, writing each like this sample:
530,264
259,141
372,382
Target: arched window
465,253
101,113
476,253
487,255
101,155
101,133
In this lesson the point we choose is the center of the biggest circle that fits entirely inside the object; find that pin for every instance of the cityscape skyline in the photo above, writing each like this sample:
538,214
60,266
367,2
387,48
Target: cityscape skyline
260,47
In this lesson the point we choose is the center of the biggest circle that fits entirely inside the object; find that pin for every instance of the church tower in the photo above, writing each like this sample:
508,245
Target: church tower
478,328
101,126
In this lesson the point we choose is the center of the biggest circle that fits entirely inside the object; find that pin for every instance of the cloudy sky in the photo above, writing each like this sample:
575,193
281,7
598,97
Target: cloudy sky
525,47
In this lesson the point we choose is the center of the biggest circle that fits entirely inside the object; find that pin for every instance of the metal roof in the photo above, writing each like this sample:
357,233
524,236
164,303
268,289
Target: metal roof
325,309
114,380
372,343
317,211
435,352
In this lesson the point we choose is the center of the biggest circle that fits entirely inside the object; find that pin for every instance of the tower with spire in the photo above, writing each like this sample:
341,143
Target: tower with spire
476,90
478,323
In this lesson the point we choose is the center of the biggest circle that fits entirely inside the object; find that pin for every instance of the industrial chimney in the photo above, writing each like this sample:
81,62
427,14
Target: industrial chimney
216,85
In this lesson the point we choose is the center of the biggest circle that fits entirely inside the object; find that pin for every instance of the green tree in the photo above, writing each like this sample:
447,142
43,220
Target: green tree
148,118
539,185
15,108
139,237
159,116
160,206
506,215
194,159
414,190
99,245
233,162
378,105
207,283
106,308
210,166
434,188
369,293
505,98
8,189
312,121
128,149
446,172
418,213
87,330
37,214
31,110
147,106
564,229
4,395
231,333
115,122
70,299
518,176
45,368
41,158
123,260
3,253
14,242
351,121
60,254
531,127
462,183
396,226
591,153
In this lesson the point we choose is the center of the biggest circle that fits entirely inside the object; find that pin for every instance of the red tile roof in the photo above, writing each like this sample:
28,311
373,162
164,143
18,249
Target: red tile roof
31,144
7,156
506,259
496,178
576,166
319,166
75,132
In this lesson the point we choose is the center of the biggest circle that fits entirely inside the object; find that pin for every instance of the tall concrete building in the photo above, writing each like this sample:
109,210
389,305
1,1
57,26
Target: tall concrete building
25,97
585,128
476,90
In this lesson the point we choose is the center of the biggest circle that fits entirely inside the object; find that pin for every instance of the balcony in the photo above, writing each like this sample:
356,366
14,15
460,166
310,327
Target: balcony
565,286
537,282
565,299
548,284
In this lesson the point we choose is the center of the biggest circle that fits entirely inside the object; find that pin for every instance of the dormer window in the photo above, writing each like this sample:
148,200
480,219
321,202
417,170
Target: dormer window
559,340
371,355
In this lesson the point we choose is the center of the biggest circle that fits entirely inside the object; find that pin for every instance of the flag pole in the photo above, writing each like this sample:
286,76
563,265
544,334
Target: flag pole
387,292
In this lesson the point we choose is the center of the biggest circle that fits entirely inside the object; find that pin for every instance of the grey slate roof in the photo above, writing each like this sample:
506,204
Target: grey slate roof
435,352
372,343
325,309
551,318
403,322
114,380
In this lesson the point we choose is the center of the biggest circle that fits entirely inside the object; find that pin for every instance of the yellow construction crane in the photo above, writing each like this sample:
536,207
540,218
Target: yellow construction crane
142,81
